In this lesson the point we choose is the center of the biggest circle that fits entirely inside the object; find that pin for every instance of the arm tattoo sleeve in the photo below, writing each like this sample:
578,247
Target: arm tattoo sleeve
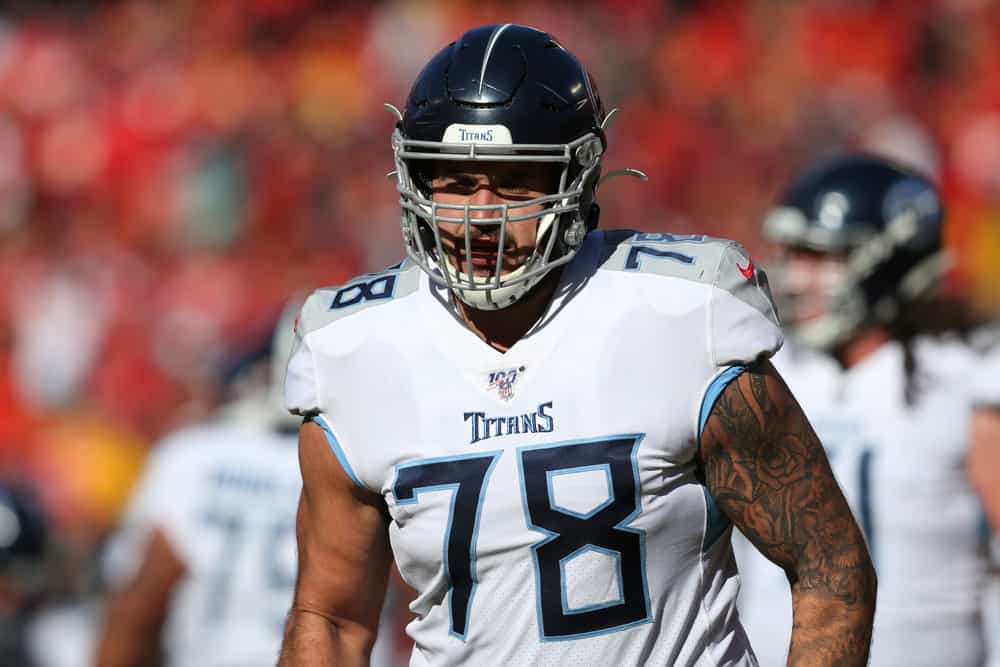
768,472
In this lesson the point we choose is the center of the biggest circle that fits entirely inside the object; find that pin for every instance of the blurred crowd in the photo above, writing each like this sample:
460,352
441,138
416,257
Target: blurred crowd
171,172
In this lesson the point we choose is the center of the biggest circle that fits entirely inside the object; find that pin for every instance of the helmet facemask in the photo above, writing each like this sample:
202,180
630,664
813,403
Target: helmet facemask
562,222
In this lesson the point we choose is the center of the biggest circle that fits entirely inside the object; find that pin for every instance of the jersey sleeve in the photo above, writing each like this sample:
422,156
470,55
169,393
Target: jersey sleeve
303,394
743,323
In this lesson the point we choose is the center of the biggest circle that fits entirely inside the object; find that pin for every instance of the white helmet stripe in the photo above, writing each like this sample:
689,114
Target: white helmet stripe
489,51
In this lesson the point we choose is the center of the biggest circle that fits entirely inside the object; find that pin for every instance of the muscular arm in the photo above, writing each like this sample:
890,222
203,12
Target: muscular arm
766,469
344,561
135,615
984,462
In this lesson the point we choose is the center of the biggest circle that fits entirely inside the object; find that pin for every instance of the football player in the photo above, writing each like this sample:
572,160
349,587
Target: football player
551,427
205,562
862,254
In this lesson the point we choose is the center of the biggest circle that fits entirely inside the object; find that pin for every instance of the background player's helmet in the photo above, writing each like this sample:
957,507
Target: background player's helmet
883,220
500,93
24,540
257,390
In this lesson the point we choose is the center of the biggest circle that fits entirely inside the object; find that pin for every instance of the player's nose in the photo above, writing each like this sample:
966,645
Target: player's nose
484,196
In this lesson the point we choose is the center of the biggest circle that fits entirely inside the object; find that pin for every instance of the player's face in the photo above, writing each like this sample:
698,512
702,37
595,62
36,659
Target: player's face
805,282
490,184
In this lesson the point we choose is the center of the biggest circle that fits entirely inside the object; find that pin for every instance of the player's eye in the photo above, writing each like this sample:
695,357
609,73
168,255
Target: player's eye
516,190
456,183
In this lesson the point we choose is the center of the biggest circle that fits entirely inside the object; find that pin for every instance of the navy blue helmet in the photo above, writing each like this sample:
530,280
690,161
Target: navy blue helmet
501,93
25,555
23,529
884,220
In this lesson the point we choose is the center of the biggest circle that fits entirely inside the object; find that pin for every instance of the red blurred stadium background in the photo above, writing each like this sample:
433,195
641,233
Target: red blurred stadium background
170,172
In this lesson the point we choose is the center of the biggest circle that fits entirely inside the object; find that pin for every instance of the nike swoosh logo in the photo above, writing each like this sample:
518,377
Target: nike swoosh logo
747,271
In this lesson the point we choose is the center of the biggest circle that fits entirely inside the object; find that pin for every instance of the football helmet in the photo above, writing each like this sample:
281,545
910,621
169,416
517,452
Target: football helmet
257,398
24,541
882,220
500,93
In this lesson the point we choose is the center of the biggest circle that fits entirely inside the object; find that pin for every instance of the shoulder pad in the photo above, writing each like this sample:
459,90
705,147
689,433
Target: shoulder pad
722,263
686,256
329,304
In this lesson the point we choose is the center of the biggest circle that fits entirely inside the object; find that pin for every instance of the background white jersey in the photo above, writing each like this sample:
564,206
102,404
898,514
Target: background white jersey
544,501
225,495
902,469
765,601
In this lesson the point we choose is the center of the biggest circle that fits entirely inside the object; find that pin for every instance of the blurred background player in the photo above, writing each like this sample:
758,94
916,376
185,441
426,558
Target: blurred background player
861,258
204,565
205,560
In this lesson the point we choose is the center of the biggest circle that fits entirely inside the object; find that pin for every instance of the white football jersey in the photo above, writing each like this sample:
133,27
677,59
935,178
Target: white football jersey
544,502
225,495
902,469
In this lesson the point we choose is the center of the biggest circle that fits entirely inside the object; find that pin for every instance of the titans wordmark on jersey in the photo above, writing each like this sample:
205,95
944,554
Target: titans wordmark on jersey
560,522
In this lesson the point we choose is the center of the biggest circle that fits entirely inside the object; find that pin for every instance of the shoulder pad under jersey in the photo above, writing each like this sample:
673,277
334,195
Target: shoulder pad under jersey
743,321
722,263
329,304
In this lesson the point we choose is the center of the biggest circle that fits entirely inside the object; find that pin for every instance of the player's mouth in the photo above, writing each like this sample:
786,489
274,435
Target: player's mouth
483,256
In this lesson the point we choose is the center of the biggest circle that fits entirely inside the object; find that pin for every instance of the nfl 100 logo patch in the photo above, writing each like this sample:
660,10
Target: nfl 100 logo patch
503,381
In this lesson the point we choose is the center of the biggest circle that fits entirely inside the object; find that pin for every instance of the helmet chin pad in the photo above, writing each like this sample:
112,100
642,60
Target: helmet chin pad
496,299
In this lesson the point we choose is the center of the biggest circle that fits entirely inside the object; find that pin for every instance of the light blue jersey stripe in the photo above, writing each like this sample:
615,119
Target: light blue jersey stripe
720,382
716,522
338,451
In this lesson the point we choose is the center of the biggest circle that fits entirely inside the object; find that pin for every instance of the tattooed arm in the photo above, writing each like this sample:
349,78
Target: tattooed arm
766,469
